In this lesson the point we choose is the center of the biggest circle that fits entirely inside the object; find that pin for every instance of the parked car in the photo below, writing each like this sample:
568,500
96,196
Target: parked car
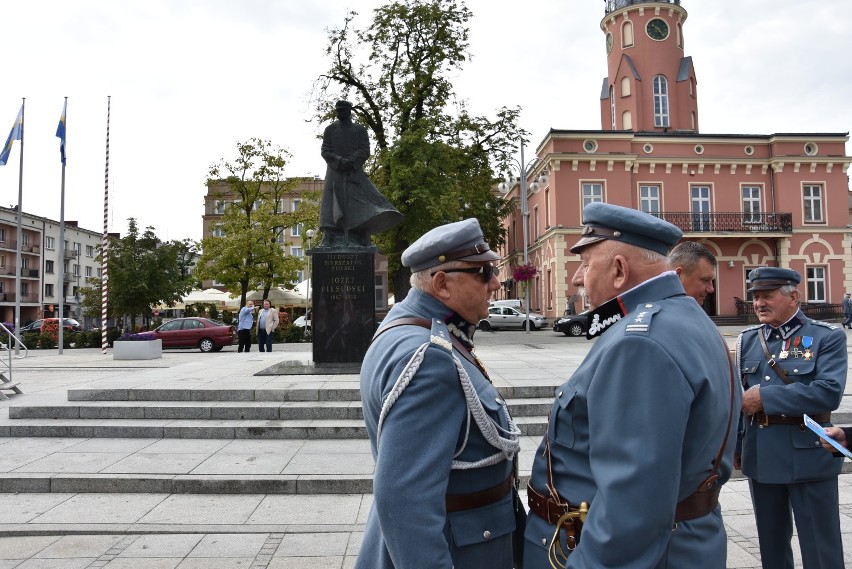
303,321
70,325
508,317
513,302
572,324
202,333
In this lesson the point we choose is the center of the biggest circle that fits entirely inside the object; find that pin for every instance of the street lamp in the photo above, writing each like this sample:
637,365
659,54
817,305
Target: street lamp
524,171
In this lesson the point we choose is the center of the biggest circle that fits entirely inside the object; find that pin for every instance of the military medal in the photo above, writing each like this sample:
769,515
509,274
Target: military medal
807,342
795,351
784,353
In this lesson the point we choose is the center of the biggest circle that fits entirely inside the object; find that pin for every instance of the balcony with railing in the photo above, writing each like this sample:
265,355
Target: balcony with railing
732,222
70,253
613,5
29,273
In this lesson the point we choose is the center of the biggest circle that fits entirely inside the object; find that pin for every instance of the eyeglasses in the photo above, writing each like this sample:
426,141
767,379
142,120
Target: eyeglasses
487,271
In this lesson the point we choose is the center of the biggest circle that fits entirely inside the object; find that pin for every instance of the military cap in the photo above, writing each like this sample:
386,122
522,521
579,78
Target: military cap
459,241
342,105
631,226
769,278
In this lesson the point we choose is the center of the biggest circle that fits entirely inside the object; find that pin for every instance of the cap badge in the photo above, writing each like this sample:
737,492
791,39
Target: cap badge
441,258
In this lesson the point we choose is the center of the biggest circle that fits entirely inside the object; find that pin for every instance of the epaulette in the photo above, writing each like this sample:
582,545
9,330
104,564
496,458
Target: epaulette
639,321
828,325
750,328
440,335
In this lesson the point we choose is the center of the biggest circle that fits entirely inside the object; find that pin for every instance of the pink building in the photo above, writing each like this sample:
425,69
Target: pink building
753,199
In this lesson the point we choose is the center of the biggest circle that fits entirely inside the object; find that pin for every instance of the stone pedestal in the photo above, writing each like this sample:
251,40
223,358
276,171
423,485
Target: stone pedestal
137,349
344,304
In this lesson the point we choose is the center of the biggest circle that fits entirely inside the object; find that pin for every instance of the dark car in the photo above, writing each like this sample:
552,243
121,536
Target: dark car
202,333
70,324
572,324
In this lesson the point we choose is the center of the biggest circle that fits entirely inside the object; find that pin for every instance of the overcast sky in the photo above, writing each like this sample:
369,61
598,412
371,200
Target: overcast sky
190,78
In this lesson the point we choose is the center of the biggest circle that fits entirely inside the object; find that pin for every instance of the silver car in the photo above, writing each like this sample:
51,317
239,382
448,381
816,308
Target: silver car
508,317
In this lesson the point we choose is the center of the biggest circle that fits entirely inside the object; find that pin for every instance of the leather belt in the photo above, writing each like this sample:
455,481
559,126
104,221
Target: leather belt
461,502
547,508
765,420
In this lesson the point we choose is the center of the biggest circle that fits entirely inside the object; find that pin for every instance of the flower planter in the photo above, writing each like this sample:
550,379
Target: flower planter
137,350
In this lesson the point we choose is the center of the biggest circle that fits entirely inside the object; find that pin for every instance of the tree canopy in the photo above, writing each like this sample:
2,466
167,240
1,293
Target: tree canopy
433,160
142,272
250,251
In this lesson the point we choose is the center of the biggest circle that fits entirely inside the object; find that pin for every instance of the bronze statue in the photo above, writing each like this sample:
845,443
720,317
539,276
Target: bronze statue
352,208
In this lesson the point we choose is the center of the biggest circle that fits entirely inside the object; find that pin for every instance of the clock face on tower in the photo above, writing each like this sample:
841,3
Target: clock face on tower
609,41
657,29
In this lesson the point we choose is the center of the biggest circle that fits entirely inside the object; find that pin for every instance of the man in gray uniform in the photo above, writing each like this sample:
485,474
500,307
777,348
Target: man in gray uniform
442,438
790,365
641,438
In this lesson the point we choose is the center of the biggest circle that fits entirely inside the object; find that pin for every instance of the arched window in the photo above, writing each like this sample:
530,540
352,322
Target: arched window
626,120
627,34
612,106
661,101
625,86
679,36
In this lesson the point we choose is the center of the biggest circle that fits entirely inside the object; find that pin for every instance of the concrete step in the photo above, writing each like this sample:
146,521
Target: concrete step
224,410
207,429
247,483
279,394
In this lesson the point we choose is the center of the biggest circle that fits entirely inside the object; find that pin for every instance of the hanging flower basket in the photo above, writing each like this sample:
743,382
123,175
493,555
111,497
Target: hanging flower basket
525,272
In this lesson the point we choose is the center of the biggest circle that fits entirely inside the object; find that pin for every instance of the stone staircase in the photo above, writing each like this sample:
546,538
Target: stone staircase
263,416
261,420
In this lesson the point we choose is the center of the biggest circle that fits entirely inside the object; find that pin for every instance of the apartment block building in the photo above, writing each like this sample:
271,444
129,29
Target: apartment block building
40,291
777,199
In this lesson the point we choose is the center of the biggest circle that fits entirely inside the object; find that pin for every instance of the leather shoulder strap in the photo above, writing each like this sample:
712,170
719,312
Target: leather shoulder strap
772,363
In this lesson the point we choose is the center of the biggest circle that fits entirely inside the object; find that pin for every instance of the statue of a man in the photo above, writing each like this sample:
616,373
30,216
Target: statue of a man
352,208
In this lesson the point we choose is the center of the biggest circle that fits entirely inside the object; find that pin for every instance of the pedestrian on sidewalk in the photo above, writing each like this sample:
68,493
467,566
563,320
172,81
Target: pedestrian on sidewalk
441,436
641,438
790,365
245,321
847,311
267,322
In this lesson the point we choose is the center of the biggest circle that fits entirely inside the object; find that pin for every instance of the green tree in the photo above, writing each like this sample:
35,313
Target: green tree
142,271
251,252
434,161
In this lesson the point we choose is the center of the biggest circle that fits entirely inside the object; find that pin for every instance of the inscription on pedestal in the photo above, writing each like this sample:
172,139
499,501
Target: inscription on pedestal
344,305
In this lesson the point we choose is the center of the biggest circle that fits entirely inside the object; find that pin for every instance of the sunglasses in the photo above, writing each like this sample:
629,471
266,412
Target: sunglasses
487,271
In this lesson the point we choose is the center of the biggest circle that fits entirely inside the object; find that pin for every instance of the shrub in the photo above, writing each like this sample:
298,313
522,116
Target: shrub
293,333
141,337
112,334
227,316
50,327
46,340
30,339
213,313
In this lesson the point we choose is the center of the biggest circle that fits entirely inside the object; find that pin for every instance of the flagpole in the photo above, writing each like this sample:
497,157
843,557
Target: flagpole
64,120
18,244
105,244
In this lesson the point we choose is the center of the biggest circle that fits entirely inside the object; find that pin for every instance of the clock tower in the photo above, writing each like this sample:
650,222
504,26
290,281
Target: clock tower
650,84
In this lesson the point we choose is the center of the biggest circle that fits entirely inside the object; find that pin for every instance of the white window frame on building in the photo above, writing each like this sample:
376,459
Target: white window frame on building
816,282
649,198
90,250
751,204
812,206
700,206
2,234
219,207
88,272
49,243
218,231
661,101
590,192
612,105
48,267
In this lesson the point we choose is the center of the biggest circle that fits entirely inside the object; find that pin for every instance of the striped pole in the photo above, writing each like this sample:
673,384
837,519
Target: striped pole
105,244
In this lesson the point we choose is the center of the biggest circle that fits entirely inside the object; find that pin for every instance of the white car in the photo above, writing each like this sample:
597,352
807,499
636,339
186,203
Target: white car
508,317
302,322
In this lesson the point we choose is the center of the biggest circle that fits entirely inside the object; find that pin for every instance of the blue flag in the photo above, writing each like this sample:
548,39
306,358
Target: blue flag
16,134
60,133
